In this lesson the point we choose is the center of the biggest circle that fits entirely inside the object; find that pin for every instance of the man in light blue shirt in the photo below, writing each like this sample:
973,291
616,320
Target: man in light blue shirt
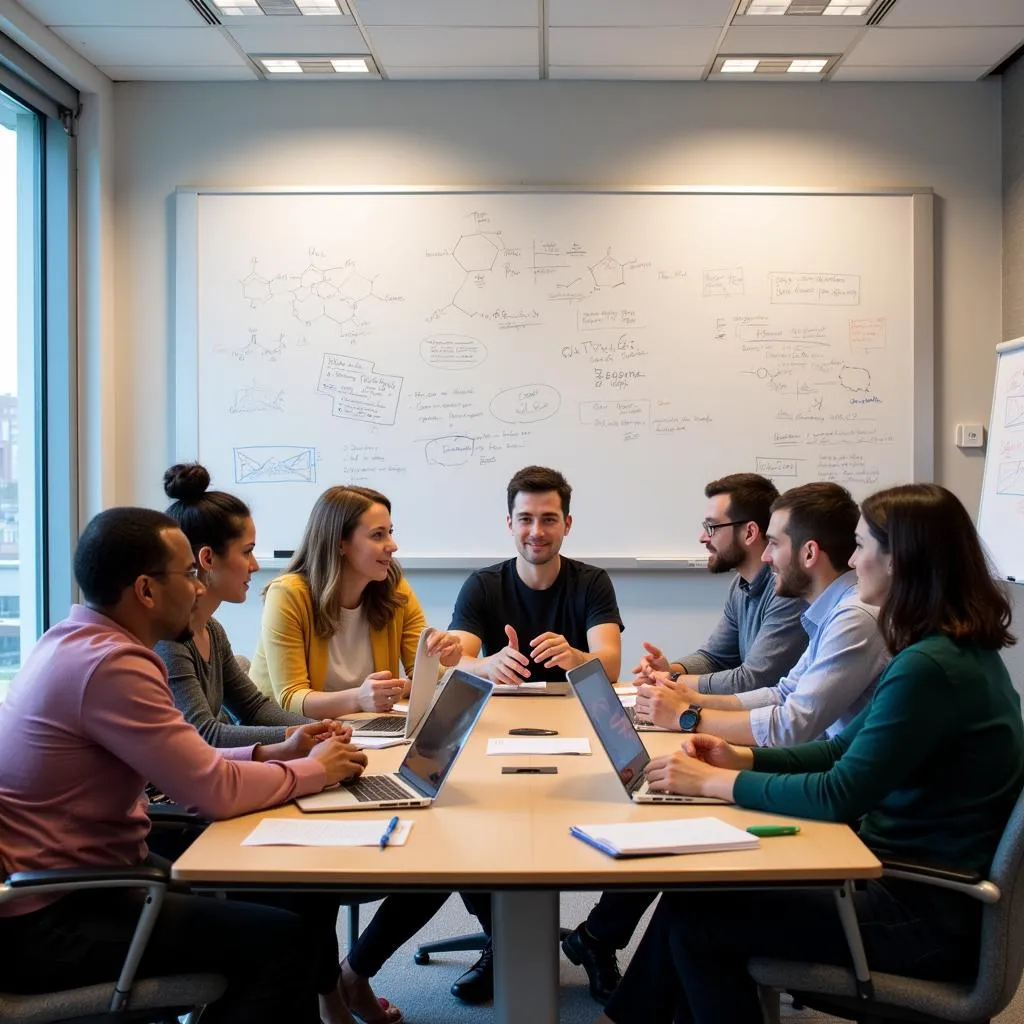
759,637
810,541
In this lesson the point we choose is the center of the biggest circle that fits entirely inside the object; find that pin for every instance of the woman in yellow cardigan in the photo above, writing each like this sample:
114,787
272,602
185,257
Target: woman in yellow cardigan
340,624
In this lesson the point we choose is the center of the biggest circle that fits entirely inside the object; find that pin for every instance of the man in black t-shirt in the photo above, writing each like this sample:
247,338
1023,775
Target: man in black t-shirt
532,618
538,614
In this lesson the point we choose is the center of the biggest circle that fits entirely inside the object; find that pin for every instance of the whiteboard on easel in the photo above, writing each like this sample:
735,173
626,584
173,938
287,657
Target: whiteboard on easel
429,343
1001,518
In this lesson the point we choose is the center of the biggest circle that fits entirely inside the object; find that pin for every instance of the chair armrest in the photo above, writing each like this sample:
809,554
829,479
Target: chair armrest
142,875
970,883
174,814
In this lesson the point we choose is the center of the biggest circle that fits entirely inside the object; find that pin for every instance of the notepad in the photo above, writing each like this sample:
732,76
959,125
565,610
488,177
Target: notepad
499,746
675,835
321,832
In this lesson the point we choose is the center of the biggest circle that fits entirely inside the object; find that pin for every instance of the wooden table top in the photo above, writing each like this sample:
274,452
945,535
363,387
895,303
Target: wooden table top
489,830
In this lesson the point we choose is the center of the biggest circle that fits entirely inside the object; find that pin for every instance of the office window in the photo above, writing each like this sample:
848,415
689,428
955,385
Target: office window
37,371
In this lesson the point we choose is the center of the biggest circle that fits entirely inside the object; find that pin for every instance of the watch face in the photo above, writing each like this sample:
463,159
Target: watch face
689,719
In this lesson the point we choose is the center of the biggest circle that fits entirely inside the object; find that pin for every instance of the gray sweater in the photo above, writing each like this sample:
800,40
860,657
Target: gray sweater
218,698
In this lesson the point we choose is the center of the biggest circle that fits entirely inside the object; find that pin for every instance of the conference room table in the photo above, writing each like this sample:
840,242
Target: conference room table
510,834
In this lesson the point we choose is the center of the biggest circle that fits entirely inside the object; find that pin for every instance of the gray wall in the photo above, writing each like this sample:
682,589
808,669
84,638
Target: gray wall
946,136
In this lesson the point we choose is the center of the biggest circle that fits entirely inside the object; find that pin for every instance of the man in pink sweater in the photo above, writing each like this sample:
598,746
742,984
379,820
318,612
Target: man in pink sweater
88,721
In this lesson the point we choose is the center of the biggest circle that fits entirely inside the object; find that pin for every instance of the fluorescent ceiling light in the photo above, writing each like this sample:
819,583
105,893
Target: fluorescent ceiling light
350,65
814,66
281,8
734,66
282,67
808,8
319,65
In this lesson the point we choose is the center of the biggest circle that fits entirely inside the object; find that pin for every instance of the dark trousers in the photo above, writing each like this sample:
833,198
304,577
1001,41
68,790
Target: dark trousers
479,903
82,939
691,965
616,915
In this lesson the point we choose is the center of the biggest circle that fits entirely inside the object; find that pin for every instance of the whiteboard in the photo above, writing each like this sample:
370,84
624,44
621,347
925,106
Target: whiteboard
1001,518
429,343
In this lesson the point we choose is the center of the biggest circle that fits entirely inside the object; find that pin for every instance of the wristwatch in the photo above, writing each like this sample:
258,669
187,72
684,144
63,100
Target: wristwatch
674,675
689,719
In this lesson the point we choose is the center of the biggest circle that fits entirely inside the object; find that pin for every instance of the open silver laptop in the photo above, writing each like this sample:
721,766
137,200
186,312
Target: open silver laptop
617,734
421,692
428,761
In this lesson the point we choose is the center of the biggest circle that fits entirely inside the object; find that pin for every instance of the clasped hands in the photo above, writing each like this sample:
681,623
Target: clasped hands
328,742
512,667
659,699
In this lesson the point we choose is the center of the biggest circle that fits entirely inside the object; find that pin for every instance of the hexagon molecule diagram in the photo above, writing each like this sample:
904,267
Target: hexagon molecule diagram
475,252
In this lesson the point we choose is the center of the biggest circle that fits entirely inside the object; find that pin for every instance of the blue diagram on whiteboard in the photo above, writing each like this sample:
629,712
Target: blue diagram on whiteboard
275,464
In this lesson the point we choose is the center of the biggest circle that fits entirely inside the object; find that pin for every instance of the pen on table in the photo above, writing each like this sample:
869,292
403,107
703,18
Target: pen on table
773,830
386,838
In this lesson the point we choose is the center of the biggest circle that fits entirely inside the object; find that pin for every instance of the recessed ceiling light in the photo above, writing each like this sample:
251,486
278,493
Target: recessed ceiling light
734,66
762,66
807,8
281,8
316,64
814,67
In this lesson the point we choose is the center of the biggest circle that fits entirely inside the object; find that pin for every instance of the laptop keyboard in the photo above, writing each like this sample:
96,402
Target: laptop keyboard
383,723
377,787
631,712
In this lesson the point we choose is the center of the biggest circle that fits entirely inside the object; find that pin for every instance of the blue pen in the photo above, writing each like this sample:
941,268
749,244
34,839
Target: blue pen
389,831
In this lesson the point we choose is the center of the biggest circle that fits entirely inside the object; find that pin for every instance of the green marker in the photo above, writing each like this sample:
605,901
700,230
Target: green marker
766,831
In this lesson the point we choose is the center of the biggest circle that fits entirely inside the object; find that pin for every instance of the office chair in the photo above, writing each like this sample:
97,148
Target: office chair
885,997
471,941
122,999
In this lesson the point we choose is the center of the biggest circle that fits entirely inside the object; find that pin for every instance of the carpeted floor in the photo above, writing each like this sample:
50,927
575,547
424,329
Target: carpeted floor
422,992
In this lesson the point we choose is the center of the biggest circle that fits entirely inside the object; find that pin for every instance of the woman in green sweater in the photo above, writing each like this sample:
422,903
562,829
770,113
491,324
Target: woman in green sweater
929,772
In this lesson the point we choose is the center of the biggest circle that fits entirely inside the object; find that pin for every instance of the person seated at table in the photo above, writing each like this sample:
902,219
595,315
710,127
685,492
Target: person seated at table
929,771
532,617
213,693
342,621
88,720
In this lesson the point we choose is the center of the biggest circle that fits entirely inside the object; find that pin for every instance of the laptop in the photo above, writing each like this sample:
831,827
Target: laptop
427,762
617,734
421,690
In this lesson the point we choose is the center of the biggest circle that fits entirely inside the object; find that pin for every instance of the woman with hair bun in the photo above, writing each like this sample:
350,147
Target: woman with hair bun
209,686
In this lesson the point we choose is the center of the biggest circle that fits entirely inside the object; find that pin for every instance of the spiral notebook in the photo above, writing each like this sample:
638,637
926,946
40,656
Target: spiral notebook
676,835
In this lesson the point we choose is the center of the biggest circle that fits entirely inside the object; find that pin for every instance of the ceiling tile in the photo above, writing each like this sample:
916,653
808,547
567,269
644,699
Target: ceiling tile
955,13
464,74
855,73
654,73
508,13
124,13
135,46
177,73
583,13
296,37
640,47
789,38
935,46
451,47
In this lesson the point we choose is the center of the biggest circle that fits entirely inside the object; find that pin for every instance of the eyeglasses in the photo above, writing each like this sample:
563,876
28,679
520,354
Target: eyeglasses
710,527
192,574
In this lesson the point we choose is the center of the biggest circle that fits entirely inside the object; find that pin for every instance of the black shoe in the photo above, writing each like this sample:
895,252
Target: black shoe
477,984
597,959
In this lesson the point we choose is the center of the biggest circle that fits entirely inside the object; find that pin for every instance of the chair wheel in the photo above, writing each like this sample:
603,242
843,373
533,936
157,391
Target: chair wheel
421,958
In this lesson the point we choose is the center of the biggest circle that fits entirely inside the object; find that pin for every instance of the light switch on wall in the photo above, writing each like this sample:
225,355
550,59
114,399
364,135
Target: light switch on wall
970,435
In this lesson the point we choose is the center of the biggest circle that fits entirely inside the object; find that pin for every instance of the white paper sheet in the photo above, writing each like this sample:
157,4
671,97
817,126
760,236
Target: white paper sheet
500,746
378,742
625,689
321,832
512,688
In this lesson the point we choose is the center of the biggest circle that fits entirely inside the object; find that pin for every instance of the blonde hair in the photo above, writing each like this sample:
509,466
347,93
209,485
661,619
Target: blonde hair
319,560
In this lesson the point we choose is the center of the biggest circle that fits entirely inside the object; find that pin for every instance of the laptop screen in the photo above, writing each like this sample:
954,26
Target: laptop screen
615,731
444,731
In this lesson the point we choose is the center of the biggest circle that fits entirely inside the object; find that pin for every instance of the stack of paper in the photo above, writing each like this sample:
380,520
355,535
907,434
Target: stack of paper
677,835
